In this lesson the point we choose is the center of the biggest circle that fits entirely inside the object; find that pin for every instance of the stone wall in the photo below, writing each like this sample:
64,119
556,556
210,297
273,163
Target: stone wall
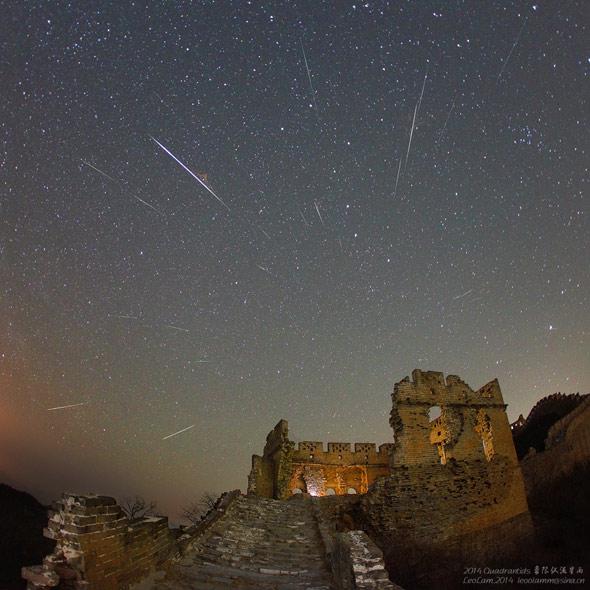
358,564
532,432
270,473
566,446
283,468
355,560
342,470
99,548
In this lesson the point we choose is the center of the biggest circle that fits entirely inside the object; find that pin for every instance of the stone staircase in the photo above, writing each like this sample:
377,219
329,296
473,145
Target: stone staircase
259,544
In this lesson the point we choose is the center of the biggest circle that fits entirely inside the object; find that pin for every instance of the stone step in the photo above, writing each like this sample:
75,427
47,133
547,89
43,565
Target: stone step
193,577
299,550
259,544
255,565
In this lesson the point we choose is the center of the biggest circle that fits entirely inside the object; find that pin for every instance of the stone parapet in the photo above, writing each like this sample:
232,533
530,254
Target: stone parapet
98,547
357,563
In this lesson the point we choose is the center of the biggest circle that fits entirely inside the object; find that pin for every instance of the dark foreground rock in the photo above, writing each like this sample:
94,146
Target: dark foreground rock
22,519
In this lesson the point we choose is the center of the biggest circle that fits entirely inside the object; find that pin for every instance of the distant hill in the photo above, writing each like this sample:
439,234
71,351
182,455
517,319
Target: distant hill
22,519
532,432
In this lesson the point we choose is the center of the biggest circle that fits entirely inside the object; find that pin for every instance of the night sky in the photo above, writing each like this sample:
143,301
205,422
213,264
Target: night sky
392,185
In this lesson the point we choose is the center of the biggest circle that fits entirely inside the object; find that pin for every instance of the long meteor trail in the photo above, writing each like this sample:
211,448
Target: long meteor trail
179,432
120,184
411,134
416,109
98,170
511,50
195,176
68,406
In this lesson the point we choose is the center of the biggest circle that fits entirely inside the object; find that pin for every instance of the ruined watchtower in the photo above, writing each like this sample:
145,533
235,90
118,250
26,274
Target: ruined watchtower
455,482
471,426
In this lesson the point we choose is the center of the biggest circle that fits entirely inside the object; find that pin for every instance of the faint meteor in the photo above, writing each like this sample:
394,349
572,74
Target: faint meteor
422,92
147,204
176,328
310,82
126,317
416,109
120,184
179,432
263,268
202,361
65,407
318,210
195,176
511,50
447,119
303,217
464,294
399,169
98,170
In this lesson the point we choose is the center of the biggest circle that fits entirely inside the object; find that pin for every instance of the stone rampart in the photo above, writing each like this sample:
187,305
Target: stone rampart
567,445
99,548
285,468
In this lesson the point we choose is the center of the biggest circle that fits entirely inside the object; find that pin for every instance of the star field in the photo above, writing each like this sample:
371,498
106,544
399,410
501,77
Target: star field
400,185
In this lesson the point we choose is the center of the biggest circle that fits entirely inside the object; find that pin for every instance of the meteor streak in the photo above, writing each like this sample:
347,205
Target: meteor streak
411,134
175,328
414,119
511,50
303,217
310,82
318,210
422,93
463,295
99,171
146,203
195,176
447,119
120,184
65,407
399,168
179,432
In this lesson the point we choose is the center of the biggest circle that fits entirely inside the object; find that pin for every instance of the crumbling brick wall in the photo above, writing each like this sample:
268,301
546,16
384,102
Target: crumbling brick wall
98,547
270,473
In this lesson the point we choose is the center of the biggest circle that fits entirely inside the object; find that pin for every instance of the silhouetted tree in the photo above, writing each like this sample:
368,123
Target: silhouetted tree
138,507
196,510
